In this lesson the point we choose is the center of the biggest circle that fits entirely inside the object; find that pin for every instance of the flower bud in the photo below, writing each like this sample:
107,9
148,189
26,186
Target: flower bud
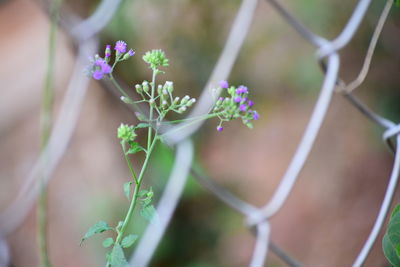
164,103
169,86
182,109
146,86
191,102
231,90
159,89
176,100
138,88
152,102
185,100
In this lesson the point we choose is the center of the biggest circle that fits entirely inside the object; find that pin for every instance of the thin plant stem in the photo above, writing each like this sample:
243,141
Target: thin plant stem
195,119
136,191
46,117
128,162
153,86
122,91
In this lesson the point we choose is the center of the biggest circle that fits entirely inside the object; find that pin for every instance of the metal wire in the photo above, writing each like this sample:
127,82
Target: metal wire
257,218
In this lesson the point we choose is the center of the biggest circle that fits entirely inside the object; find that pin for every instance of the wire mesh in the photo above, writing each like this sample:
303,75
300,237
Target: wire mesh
257,218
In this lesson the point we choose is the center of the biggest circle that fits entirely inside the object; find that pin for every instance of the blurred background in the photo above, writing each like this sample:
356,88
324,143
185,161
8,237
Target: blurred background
333,206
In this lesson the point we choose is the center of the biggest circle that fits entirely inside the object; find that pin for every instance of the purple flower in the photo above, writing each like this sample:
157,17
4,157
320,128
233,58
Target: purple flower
242,107
108,51
131,52
237,99
220,128
223,84
250,103
255,115
105,68
98,75
242,90
221,99
120,46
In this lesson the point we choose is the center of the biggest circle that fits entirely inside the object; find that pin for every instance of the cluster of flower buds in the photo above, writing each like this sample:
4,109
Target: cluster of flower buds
100,67
126,133
164,100
236,105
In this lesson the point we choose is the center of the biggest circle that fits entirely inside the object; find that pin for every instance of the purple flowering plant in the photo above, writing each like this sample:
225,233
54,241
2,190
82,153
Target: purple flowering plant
160,101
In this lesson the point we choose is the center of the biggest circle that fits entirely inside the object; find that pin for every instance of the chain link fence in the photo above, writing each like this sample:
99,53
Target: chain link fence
84,34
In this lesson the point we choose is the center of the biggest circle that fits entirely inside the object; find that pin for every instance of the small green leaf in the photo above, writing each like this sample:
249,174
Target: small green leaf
391,239
99,227
393,229
120,223
148,212
397,3
389,251
128,241
396,209
117,258
134,148
143,193
108,242
127,189
142,125
146,202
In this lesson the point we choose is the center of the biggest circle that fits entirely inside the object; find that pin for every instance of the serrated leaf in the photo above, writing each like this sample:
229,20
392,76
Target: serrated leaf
127,189
134,148
142,125
99,227
148,212
117,258
128,240
108,242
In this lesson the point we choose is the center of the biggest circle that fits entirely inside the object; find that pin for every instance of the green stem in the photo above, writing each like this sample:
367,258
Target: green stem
153,86
202,117
196,119
122,91
128,162
47,106
118,86
138,183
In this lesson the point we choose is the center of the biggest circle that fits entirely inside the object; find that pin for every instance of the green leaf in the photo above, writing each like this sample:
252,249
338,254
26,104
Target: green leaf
120,223
391,239
397,3
389,251
142,125
108,242
143,193
127,189
128,241
148,212
117,258
393,229
396,209
99,227
134,148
